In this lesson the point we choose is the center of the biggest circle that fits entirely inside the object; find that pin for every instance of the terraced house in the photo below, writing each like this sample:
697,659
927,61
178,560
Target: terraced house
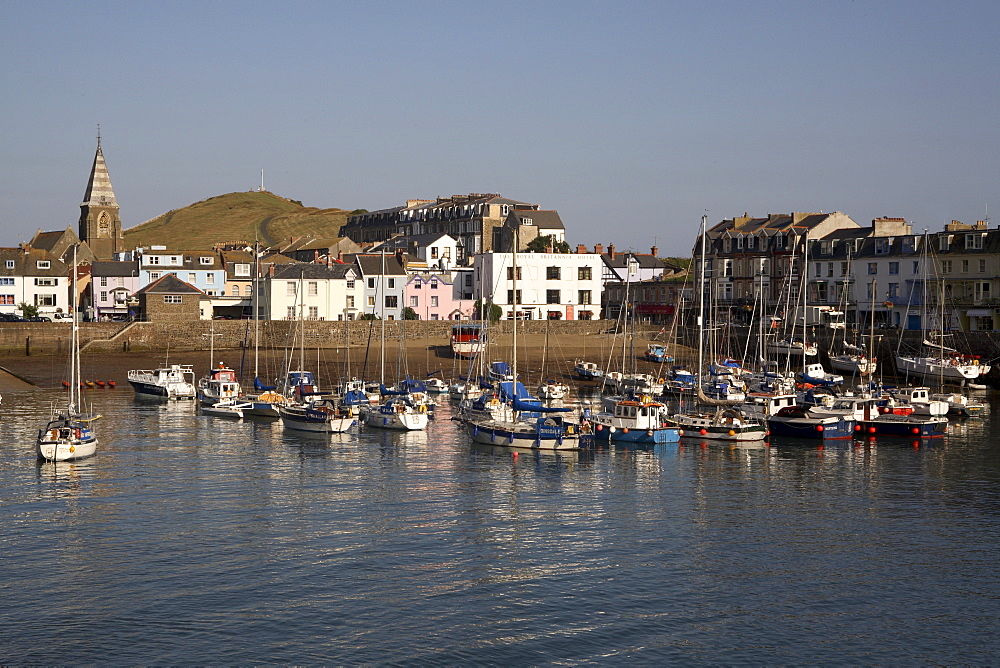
34,277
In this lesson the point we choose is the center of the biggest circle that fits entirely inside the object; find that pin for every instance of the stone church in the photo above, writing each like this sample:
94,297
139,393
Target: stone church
100,227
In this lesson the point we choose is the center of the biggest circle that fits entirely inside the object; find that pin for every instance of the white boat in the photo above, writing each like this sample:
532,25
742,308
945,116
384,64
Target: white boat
815,374
218,385
175,381
69,435
941,364
637,420
468,340
633,383
552,390
960,404
792,345
396,412
227,408
436,386
921,401
854,363
320,416
587,370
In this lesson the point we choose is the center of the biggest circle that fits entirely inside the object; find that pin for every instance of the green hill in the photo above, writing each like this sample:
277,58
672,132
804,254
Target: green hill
236,217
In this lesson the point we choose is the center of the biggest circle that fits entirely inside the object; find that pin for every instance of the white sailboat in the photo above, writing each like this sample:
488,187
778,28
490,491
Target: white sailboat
69,435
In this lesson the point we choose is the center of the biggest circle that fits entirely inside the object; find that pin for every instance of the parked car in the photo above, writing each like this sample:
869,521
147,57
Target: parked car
39,318
10,317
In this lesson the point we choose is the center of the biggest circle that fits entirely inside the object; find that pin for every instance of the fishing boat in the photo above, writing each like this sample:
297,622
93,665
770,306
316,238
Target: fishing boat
467,340
919,398
171,382
799,422
69,435
638,420
657,352
911,426
218,385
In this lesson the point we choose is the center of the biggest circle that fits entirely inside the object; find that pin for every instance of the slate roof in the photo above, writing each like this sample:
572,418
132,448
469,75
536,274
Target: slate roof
544,220
170,284
112,268
26,263
371,265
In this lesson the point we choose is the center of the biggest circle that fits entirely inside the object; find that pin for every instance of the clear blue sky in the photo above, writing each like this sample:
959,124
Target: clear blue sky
632,119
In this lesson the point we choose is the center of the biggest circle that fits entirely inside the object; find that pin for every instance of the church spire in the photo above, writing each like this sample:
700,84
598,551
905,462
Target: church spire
100,223
99,190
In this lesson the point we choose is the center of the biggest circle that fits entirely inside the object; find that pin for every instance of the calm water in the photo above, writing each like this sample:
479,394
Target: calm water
191,539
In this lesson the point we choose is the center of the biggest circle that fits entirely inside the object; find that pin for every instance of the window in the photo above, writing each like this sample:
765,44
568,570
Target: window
414,301
391,283
881,246
819,269
248,290
350,284
893,290
893,268
583,297
210,279
727,245
872,268
104,281
43,264
104,296
739,242
205,260
173,299
371,302
45,281
290,313
192,277
434,284
371,283
944,242
350,301
973,241
750,244
829,269
434,252
552,296
583,274
153,259
843,268
779,241
552,273
7,280
314,313
236,291
175,260
391,301
909,244
312,288
727,268
154,275
468,280
434,300
241,270
965,266
511,297
290,289
510,273
7,300
10,264
982,266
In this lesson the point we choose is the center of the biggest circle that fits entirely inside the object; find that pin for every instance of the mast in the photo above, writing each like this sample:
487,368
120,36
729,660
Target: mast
701,302
517,241
254,306
381,289
74,356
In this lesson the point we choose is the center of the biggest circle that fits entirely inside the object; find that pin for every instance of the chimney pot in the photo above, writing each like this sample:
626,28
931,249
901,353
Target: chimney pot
654,251
598,248
611,251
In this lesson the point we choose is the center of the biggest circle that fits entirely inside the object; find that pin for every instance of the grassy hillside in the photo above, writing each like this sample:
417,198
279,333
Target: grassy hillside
236,217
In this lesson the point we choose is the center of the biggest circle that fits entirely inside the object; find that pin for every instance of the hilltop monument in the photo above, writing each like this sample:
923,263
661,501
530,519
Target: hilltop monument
100,224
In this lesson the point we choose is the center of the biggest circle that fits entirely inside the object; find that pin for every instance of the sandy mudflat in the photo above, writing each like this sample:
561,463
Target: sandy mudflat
416,358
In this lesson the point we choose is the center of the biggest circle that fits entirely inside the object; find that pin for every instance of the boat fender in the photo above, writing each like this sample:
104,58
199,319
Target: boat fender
570,430
649,432
625,430
423,408
72,448
732,433
611,430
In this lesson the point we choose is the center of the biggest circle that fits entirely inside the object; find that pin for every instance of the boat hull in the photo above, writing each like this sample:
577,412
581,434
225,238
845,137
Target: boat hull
626,435
401,421
518,436
65,441
314,421
907,427
825,429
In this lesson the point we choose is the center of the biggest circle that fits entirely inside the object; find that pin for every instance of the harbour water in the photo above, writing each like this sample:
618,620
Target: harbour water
191,539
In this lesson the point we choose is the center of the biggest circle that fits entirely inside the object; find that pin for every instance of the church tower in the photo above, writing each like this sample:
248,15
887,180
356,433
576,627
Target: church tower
100,224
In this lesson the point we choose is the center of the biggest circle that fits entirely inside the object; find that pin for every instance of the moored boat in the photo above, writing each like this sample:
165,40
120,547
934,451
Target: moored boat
467,340
175,381
799,422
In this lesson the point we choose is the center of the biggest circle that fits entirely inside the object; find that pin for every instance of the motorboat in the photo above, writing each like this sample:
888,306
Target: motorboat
172,382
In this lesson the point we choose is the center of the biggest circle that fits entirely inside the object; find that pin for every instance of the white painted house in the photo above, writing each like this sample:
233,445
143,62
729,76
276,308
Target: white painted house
316,291
555,286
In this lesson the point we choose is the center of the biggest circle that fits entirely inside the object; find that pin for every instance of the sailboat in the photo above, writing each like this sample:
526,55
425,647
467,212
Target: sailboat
531,425
69,435
728,422
853,358
398,411
311,412
549,388
935,361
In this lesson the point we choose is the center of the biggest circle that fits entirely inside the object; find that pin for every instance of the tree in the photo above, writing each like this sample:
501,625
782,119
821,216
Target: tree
541,245
28,310
492,311
410,314
368,316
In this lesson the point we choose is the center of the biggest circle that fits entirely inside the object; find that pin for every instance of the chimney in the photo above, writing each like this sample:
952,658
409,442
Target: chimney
581,249
270,270
611,251
315,256
654,251
340,256
599,249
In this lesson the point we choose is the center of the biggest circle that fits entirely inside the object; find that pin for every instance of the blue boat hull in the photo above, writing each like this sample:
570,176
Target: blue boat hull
640,436
841,429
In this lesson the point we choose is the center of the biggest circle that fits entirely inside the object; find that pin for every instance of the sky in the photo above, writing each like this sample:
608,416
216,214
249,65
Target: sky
631,119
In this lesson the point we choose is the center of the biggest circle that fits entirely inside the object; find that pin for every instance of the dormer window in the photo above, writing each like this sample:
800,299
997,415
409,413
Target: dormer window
750,241
241,269
727,245
779,241
944,242
881,246
739,242
909,244
43,264
205,260
10,264
973,242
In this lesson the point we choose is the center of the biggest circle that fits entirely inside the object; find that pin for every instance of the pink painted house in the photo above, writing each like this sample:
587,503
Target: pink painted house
433,296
